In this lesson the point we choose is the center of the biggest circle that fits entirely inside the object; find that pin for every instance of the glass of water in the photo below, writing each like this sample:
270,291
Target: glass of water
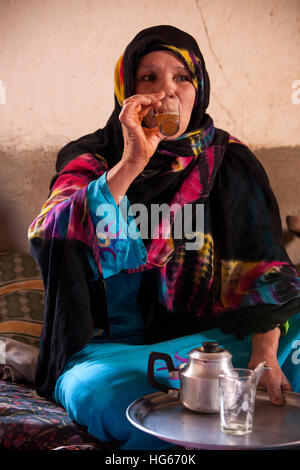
237,400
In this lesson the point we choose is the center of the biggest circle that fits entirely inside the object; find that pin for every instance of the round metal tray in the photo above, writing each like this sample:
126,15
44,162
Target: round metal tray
274,427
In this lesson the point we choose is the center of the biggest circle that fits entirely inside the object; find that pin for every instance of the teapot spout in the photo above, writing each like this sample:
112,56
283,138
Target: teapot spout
259,370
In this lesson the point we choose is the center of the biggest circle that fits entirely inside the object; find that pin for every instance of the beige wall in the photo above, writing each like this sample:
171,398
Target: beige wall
57,59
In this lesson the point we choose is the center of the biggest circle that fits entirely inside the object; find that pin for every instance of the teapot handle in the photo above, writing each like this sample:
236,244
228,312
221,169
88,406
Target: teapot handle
168,360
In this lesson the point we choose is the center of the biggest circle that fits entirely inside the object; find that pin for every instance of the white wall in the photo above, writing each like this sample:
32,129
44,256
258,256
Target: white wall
57,59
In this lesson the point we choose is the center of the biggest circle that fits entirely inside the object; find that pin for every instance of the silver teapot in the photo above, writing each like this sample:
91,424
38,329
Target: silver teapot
199,379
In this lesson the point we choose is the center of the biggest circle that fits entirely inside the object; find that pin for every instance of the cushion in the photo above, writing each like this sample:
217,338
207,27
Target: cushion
21,316
17,360
30,422
21,298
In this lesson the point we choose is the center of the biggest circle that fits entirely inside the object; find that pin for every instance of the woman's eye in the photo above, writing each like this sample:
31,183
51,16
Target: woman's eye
183,78
148,78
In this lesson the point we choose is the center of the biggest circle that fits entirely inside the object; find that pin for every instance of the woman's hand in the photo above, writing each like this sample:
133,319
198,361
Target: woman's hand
140,142
264,348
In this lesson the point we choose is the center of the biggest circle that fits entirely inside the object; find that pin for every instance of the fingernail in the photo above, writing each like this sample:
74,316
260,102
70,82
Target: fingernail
278,400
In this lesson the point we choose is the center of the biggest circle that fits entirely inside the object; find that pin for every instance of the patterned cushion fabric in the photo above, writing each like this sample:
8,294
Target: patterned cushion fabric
21,298
29,422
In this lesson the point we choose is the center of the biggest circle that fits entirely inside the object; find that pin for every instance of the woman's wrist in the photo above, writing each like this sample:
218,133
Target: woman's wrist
266,343
134,166
133,161
119,178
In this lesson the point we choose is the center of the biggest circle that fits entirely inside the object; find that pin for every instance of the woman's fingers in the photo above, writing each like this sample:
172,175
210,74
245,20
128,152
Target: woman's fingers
276,383
275,393
285,384
140,142
273,380
136,107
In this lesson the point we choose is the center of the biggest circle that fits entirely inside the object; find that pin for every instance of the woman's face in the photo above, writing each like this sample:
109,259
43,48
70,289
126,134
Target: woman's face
162,70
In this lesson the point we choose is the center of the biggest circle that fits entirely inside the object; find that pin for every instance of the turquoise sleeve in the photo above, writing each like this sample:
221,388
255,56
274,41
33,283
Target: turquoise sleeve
119,240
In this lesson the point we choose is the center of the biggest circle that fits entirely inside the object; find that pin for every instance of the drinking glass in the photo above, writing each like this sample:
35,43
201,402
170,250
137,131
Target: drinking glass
168,116
237,400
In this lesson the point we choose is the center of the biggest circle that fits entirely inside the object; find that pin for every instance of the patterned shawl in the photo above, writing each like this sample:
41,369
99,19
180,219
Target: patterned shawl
241,278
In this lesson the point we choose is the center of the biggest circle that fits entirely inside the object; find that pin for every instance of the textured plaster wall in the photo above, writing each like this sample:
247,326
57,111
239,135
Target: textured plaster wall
57,60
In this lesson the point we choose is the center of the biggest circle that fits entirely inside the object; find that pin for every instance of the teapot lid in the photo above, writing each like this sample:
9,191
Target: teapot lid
209,351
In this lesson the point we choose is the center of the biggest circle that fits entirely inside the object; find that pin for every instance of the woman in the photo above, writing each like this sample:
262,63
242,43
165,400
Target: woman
109,299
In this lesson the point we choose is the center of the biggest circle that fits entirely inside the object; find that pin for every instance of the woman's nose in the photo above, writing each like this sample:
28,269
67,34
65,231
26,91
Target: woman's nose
169,93
168,86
